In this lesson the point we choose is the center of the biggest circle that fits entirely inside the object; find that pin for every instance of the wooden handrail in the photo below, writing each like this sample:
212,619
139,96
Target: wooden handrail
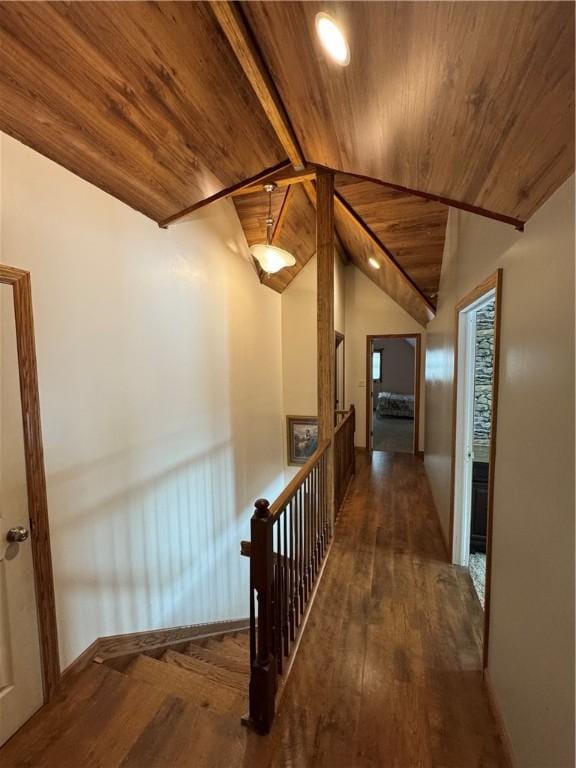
297,481
289,543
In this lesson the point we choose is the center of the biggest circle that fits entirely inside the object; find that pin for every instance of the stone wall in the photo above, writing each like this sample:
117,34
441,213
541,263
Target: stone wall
483,372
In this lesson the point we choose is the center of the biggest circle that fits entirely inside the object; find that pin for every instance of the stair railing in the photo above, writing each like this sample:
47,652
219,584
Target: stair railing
289,543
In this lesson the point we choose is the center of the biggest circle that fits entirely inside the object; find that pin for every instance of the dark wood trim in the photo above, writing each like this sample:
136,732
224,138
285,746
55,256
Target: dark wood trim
232,22
35,477
387,253
339,338
134,643
417,384
493,282
282,212
516,223
259,177
417,393
284,178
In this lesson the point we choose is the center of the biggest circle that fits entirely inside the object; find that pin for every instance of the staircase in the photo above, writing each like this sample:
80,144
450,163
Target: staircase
167,708
211,673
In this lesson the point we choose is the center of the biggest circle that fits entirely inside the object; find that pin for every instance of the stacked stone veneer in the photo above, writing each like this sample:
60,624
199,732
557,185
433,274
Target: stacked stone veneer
483,372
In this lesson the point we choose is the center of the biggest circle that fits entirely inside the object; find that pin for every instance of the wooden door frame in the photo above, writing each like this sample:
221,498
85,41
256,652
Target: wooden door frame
417,373
492,283
35,477
339,338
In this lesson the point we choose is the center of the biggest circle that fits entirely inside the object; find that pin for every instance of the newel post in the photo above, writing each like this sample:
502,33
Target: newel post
263,672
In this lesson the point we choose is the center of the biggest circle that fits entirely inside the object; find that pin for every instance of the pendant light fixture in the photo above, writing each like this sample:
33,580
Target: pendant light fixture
271,258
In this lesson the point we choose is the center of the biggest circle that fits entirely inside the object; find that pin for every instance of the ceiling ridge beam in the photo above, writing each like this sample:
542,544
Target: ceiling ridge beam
390,258
259,177
242,42
516,223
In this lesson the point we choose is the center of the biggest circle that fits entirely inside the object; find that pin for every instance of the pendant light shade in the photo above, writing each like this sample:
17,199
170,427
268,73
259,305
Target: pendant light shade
271,258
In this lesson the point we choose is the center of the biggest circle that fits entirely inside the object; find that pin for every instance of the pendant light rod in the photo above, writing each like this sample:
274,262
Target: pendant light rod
270,218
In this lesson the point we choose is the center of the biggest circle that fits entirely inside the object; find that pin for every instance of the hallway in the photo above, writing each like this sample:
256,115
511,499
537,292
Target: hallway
389,667
387,675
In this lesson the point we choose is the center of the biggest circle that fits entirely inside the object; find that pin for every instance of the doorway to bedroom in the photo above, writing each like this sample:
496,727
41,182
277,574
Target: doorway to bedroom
392,392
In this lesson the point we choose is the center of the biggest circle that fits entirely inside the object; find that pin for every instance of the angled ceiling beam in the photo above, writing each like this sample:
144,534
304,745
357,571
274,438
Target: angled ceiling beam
242,43
310,190
236,189
282,179
516,223
386,254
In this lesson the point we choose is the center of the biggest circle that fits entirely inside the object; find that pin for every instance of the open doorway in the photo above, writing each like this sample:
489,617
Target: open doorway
392,392
475,404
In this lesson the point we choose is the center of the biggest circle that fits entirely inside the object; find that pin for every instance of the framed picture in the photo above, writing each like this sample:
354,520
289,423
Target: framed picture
302,438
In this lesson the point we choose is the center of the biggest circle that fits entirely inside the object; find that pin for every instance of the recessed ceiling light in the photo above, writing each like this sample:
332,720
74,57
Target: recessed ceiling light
373,263
332,39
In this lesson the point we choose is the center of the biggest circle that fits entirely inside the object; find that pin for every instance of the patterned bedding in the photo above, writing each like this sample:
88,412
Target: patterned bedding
392,404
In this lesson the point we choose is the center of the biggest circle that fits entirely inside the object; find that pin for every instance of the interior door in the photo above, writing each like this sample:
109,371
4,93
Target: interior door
21,691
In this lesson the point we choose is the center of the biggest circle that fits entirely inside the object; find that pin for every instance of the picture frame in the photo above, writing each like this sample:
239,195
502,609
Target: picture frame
302,432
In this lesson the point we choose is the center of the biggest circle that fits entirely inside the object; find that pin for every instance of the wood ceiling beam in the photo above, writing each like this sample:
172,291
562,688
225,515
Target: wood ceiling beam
257,180
282,179
384,251
516,223
232,22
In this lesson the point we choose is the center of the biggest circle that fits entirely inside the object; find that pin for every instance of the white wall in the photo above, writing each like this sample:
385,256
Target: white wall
369,311
531,651
299,340
159,357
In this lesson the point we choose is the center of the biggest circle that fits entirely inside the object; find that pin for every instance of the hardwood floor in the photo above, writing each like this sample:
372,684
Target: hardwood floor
387,676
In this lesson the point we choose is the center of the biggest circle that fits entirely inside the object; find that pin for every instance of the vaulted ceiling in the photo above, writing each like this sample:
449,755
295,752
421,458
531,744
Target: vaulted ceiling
171,105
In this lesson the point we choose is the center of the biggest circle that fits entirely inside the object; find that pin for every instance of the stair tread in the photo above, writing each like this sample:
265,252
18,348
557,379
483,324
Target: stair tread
219,675
188,685
198,651
227,648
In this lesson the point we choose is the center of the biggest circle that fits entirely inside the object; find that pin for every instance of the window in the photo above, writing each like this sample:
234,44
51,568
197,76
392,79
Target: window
377,365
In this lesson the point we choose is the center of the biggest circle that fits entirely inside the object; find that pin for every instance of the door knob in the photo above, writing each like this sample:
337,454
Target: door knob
17,534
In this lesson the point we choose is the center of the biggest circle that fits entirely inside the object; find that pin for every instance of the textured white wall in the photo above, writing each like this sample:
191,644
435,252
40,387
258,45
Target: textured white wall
159,357
531,654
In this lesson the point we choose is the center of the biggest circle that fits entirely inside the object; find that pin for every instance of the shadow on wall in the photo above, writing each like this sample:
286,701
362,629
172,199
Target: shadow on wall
162,552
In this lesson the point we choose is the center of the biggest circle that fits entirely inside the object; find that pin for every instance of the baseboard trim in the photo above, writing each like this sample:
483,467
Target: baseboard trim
114,646
500,722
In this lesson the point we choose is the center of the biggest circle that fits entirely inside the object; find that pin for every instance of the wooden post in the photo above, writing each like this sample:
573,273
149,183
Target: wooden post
326,343
262,692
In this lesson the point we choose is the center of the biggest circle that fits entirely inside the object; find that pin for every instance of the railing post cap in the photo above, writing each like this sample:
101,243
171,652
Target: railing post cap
262,507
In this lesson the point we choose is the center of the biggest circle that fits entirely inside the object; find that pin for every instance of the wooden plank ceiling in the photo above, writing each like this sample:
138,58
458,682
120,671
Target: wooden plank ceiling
145,100
171,105
469,101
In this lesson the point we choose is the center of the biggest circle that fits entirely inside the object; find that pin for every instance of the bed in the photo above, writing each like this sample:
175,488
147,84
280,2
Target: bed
393,404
